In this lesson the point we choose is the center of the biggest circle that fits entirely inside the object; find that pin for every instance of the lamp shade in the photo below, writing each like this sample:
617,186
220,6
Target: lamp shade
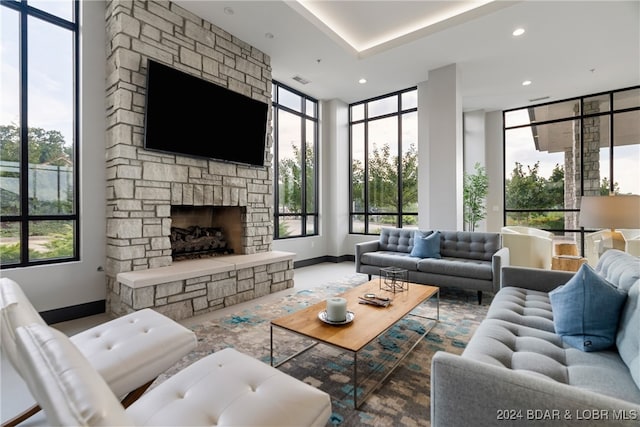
618,211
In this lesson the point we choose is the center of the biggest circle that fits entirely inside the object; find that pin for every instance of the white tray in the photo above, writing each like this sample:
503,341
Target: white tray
323,316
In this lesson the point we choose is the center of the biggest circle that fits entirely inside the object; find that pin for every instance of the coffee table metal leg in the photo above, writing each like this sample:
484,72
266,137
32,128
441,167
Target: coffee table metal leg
355,379
282,362
271,344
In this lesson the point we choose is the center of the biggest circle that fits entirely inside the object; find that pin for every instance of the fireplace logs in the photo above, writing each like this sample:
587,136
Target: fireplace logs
198,242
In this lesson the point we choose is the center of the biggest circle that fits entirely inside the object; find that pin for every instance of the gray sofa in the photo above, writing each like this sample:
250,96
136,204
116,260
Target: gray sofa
470,260
516,370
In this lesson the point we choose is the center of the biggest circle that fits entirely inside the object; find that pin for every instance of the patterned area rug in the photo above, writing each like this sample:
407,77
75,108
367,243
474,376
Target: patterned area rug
403,397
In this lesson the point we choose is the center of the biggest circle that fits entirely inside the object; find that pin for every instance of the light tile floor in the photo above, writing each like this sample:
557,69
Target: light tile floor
15,396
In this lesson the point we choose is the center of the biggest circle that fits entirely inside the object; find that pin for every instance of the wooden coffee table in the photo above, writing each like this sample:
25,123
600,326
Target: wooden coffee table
369,323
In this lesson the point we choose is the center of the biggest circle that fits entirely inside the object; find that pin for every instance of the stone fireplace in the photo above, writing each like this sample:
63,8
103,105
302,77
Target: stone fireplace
148,192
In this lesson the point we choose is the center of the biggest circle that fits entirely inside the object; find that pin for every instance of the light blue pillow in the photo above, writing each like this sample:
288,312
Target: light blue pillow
586,310
426,246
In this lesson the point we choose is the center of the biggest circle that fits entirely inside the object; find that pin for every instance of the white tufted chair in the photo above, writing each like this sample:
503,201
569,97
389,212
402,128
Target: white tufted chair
528,247
129,352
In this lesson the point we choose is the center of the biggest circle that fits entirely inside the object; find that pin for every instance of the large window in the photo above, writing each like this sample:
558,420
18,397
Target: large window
296,162
384,162
557,152
38,128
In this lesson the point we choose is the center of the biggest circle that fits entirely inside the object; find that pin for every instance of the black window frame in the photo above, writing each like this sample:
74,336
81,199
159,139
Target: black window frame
580,118
26,11
367,213
305,214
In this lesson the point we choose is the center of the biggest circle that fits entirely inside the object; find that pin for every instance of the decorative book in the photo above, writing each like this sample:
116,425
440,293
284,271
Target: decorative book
377,301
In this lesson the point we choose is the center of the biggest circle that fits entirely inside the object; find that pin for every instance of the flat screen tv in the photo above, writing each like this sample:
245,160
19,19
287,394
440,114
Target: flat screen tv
194,117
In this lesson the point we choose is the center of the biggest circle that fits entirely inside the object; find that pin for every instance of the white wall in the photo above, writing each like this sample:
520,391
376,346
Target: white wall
61,285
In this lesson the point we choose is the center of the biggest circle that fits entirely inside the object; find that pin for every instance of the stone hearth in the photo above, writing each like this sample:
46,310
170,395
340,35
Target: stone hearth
192,287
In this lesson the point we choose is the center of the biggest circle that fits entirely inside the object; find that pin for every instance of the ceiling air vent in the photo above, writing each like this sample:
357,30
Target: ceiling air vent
538,99
301,80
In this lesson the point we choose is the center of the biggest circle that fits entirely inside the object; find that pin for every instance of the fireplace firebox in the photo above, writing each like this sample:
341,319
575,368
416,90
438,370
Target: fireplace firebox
205,231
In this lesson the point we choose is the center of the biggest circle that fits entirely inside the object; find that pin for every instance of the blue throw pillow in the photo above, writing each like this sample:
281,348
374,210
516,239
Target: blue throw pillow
586,310
426,246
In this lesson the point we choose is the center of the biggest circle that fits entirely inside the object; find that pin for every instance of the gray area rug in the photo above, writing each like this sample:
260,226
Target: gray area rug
401,400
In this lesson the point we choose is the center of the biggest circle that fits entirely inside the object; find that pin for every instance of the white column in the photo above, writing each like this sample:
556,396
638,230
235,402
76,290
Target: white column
494,155
440,150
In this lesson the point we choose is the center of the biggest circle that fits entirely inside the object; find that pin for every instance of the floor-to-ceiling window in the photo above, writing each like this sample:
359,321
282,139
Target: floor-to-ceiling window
559,151
38,132
295,134
384,162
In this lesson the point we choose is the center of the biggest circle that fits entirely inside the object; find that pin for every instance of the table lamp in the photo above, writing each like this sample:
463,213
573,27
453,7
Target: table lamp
614,211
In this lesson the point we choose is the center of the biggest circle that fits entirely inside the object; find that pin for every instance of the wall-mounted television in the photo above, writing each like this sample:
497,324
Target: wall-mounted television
191,116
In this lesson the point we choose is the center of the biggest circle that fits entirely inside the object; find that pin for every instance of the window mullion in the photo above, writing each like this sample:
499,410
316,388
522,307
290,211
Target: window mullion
24,140
303,171
399,165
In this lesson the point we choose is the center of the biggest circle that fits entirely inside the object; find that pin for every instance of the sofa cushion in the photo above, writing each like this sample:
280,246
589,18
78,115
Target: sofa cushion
545,355
623,270
457,267
426,246
396,239
524,307
586,310
469,244
390,259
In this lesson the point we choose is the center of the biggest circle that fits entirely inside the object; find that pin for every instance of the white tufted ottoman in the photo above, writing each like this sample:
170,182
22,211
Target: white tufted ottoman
134,349
229,388
226,388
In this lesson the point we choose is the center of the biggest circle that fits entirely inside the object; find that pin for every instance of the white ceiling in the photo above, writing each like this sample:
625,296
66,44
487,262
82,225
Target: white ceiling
570,48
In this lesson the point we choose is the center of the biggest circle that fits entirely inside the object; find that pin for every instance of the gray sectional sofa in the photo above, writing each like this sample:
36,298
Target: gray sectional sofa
516,370
469,260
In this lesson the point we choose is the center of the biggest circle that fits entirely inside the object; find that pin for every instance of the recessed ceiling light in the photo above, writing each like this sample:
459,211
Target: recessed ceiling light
229,11
518,32
362,81
526,83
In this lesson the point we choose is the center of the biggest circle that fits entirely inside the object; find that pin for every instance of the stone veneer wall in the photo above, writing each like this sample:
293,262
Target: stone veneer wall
142,185
591,137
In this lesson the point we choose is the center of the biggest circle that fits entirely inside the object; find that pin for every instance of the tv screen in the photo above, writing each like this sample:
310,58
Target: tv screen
194,117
